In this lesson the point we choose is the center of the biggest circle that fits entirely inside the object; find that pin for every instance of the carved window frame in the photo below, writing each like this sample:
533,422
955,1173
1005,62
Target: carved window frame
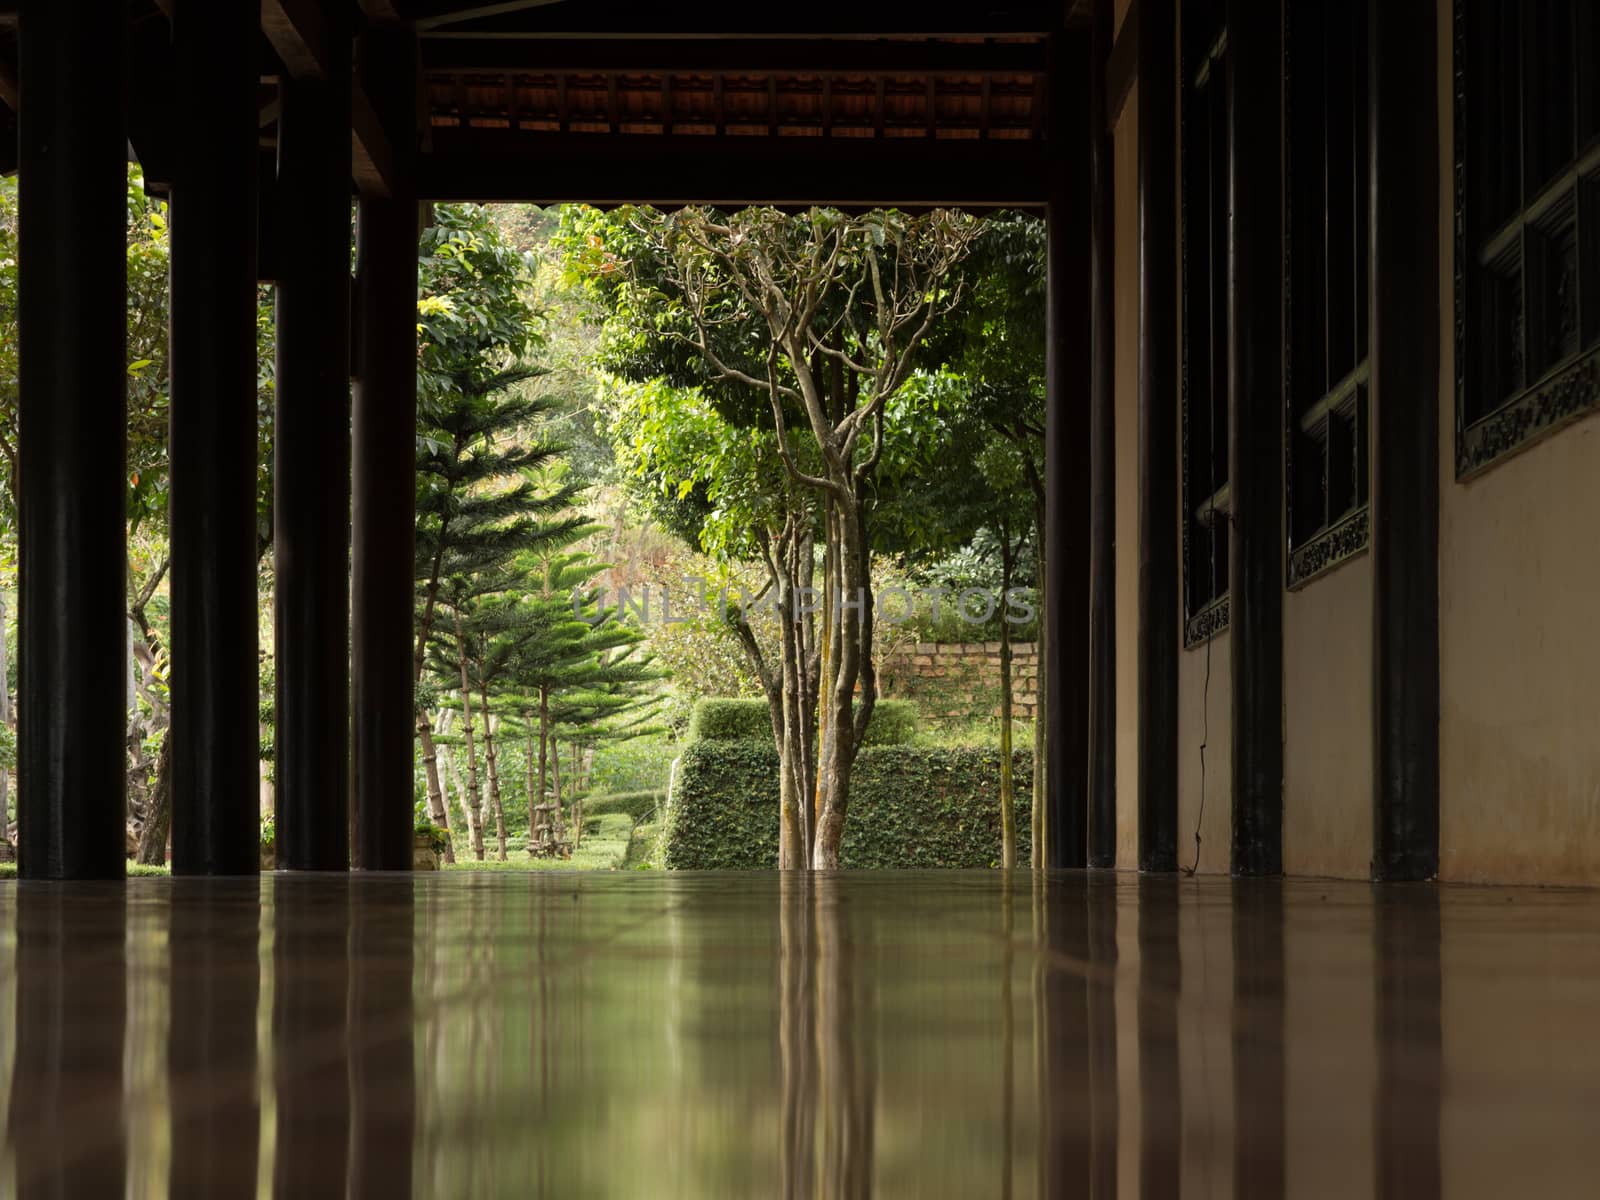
1544,388
1326,284
1204,48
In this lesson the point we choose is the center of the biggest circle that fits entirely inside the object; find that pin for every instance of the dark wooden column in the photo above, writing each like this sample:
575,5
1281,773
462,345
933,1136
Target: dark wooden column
312,466
1158,435
72,319
1066,533
385,423
1102,458
212,443
1404,126
1255,407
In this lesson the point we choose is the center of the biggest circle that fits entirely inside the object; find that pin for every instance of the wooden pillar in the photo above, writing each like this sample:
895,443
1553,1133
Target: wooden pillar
1255,407
72,319
212,442
1159,614
312,468
385,421
1404,127
1066,533
1102,458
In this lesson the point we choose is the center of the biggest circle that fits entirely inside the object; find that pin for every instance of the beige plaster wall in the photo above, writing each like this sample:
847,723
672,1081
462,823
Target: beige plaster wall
1327,688
1519,586
1126,265
1205,714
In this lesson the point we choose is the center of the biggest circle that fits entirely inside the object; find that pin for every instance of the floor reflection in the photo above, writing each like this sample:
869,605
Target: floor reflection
890,1035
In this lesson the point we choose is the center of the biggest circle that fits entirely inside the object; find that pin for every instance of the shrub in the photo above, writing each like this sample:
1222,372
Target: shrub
909,807
894,722
638,805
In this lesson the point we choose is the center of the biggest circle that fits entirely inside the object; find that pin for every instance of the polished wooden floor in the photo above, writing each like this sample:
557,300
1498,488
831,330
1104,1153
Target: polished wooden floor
898,1035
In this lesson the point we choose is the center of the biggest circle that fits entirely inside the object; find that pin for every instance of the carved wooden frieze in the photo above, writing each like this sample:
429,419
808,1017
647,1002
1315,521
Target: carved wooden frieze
1330,548
1559,400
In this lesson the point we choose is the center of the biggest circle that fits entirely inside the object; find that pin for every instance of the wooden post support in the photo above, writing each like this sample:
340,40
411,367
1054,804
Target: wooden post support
1066,533
1102,458
1159,614
312,468
385,420
1255,404
72,319
1404,200
212,414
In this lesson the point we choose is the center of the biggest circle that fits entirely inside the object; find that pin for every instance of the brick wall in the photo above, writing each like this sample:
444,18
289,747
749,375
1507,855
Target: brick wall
955,682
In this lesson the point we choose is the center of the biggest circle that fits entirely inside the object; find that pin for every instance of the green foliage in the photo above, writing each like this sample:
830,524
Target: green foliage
909,807
640,764
724,813
894,722
637,805
423,826
269,830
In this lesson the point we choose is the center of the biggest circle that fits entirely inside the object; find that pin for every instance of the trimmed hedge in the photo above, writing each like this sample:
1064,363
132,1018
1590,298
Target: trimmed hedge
894,722
638,805
909,807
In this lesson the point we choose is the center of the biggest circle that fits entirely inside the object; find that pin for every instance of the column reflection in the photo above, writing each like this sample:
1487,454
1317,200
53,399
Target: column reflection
382,1071
1410,1046
66,1121
310,1043
215,984
1075,922
1259,1068
1160,1100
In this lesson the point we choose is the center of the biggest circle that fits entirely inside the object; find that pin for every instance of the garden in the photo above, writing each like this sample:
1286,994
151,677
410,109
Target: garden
727,539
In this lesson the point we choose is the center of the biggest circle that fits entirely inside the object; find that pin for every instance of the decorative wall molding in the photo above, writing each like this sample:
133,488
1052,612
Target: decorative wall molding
1570,393
1206,624
1337,544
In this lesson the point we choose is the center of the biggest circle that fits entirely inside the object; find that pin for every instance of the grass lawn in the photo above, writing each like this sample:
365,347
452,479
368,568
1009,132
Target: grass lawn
604,847
9,870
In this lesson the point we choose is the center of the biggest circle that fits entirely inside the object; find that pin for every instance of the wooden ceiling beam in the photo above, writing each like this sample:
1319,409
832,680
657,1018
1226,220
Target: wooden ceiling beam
298,31
490,165
755,56
651,18
371,156
431,14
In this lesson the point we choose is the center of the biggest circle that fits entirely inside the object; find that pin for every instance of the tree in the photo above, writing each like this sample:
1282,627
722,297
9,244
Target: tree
994,344
821,317
480,499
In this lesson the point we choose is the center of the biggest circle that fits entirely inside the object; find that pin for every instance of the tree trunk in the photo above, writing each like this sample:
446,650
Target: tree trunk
544,742
474,798
1008,812
577,800
438,810
494,778
555,770
1041,709
158,810
5,720
844,725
